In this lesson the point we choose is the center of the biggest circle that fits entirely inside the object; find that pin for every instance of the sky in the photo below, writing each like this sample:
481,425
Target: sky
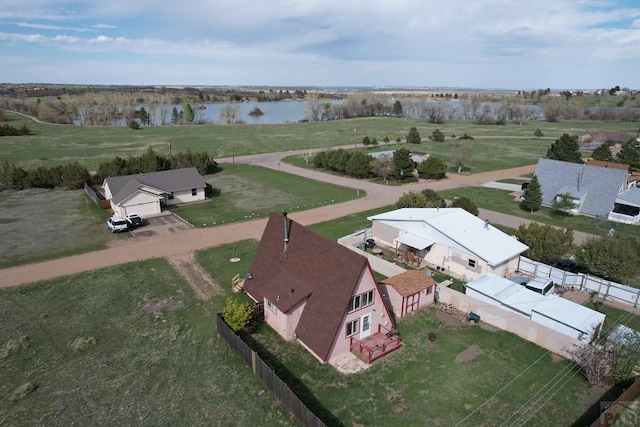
484,44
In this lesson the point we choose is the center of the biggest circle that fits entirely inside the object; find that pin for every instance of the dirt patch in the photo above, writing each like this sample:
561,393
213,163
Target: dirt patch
161,304
469,354
449,319
202,284
555,358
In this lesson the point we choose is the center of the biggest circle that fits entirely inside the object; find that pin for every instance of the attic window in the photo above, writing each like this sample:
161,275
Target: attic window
471,263
360,301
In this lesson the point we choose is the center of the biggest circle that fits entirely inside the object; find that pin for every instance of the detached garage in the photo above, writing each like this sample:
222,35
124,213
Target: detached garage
552,311
147,193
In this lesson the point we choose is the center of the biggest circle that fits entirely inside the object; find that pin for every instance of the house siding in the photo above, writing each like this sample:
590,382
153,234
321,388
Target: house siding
284,323
385,233
185,196
379,315
392,298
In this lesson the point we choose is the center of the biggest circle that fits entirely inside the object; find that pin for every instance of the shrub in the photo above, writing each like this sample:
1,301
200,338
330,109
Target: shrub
82,343
23,391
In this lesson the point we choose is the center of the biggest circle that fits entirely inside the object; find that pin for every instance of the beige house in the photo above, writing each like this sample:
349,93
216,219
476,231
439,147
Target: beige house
450,239
147,193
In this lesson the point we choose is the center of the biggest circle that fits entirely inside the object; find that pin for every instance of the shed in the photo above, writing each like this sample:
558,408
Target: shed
568,317
408,292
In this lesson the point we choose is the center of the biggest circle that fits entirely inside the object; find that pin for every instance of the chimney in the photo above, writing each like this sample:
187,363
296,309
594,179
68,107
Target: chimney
286,230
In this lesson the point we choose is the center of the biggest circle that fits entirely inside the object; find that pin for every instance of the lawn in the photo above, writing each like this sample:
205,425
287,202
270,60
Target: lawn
502,201
90,145
40,225
424,381
246,192
514,152
128,345
44,224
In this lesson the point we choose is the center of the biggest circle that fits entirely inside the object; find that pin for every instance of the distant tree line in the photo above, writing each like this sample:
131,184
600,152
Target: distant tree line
8,130
74,175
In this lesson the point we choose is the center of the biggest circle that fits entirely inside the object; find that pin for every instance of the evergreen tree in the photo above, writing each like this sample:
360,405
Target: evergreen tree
432,168
538,133
188,114
175,116
397,109
565,149
437,136
603,153
414,136
466,204
411,199
629,155
532,196
403,164
433,199
564,203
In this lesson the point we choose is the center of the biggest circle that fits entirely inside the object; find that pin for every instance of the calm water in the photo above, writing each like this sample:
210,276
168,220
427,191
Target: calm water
274,112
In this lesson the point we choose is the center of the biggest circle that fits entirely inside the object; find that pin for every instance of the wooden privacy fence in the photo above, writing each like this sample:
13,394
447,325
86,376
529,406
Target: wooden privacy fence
267,376
626,408
96,197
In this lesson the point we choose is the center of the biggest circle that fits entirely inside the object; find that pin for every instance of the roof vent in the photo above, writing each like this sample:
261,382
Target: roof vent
286,230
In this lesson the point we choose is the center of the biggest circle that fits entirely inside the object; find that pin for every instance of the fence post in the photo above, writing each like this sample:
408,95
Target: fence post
635,304
253,361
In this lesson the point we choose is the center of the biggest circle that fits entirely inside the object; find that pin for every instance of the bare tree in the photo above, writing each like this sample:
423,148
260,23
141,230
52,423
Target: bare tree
382,166
230,114
461,155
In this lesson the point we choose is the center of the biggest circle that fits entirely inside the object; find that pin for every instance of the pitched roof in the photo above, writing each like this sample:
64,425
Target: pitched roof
167,181
456,228
312,268
614,165
599,185
410,282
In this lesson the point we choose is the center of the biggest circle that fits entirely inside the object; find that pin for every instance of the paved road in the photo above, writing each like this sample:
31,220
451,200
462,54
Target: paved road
201,238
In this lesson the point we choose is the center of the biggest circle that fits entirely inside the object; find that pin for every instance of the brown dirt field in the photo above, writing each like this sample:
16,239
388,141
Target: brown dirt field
202,284
469,354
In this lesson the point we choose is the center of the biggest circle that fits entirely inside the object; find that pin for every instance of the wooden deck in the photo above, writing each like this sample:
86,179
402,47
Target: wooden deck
376,345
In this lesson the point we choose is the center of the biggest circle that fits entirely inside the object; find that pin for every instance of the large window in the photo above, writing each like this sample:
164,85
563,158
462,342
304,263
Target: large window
352,327
360,301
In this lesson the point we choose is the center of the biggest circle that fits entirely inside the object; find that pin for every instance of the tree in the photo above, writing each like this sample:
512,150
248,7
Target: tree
133,124
237,315
230,114
397,109
538,133
175,116
564,203
366,141
461,156
320,159
546,243
411,199
403,164
603,153
433,199
432,168
532,196
629,155
188,115
143,116
437,136
565,149
614,258
466,204
413,136
382,166
359,165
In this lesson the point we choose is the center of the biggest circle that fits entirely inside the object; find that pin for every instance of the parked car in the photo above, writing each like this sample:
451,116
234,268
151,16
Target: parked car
134,220
116,224
567,264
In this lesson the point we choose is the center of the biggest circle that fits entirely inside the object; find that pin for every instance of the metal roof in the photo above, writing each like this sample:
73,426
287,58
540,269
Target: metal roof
414,241
457,228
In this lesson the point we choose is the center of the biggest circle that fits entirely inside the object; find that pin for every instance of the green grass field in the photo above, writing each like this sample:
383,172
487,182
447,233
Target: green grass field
156,359
55,144
249,192
501,201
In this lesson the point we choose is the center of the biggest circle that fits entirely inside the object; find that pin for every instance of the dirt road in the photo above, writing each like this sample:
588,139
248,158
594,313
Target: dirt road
200,238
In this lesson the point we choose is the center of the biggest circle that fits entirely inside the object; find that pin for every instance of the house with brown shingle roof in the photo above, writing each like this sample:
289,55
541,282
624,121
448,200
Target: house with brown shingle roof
408,292
319,293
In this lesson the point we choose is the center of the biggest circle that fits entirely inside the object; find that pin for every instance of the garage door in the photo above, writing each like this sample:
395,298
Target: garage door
144,209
